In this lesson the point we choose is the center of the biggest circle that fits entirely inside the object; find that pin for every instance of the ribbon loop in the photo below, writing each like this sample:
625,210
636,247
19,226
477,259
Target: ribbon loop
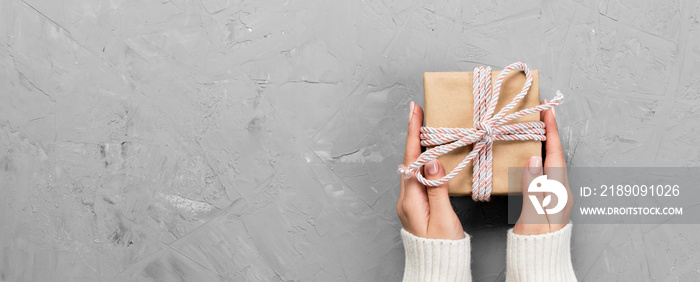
487,128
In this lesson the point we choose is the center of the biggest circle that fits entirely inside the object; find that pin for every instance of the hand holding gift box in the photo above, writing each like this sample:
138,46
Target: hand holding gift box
494,130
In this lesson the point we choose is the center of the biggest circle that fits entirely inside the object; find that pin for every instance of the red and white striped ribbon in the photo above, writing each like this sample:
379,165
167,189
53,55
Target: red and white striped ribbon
487,128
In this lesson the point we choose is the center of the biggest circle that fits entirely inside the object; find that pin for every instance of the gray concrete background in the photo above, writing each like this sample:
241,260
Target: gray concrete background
234,140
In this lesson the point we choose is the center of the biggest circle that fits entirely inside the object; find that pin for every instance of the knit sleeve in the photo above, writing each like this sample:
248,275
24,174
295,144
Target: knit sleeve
542,258
436,259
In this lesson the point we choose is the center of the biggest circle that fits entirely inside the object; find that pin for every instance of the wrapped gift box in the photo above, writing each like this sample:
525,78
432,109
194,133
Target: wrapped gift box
449,103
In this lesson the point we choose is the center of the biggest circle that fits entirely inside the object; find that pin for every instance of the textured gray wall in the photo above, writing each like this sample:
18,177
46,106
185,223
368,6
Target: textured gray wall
258,140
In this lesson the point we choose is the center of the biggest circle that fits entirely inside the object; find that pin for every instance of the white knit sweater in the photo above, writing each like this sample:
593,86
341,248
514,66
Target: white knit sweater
541,258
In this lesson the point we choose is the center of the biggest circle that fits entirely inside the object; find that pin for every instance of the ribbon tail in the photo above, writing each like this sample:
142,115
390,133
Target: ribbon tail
558,99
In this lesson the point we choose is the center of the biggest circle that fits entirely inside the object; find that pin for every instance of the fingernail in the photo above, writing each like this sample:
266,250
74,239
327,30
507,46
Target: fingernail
431,167
554,112
535,165
410,115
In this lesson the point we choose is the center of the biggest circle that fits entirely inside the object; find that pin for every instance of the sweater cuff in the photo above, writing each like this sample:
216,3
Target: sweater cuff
543,257
436,259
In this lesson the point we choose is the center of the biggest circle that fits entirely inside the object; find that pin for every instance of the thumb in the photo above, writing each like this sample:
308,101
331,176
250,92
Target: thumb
529,213
438,197
532,170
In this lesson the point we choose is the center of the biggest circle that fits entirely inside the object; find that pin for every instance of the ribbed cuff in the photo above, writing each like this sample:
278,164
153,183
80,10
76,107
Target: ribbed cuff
542,258
436,259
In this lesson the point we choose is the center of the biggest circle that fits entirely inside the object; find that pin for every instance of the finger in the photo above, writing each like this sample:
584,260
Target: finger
560,219
438,197
532,170
554,155
413,150
399,205
555,168
529,216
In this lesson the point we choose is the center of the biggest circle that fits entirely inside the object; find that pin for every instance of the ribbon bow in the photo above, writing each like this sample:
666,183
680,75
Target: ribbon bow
487,128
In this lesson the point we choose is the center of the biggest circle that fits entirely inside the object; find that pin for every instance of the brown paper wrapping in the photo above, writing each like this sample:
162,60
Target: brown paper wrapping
449,103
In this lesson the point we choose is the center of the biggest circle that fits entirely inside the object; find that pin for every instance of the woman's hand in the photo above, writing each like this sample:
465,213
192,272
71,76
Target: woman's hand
530,222
425,212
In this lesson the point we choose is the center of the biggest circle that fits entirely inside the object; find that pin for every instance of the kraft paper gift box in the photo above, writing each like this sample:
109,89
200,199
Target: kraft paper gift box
449,102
